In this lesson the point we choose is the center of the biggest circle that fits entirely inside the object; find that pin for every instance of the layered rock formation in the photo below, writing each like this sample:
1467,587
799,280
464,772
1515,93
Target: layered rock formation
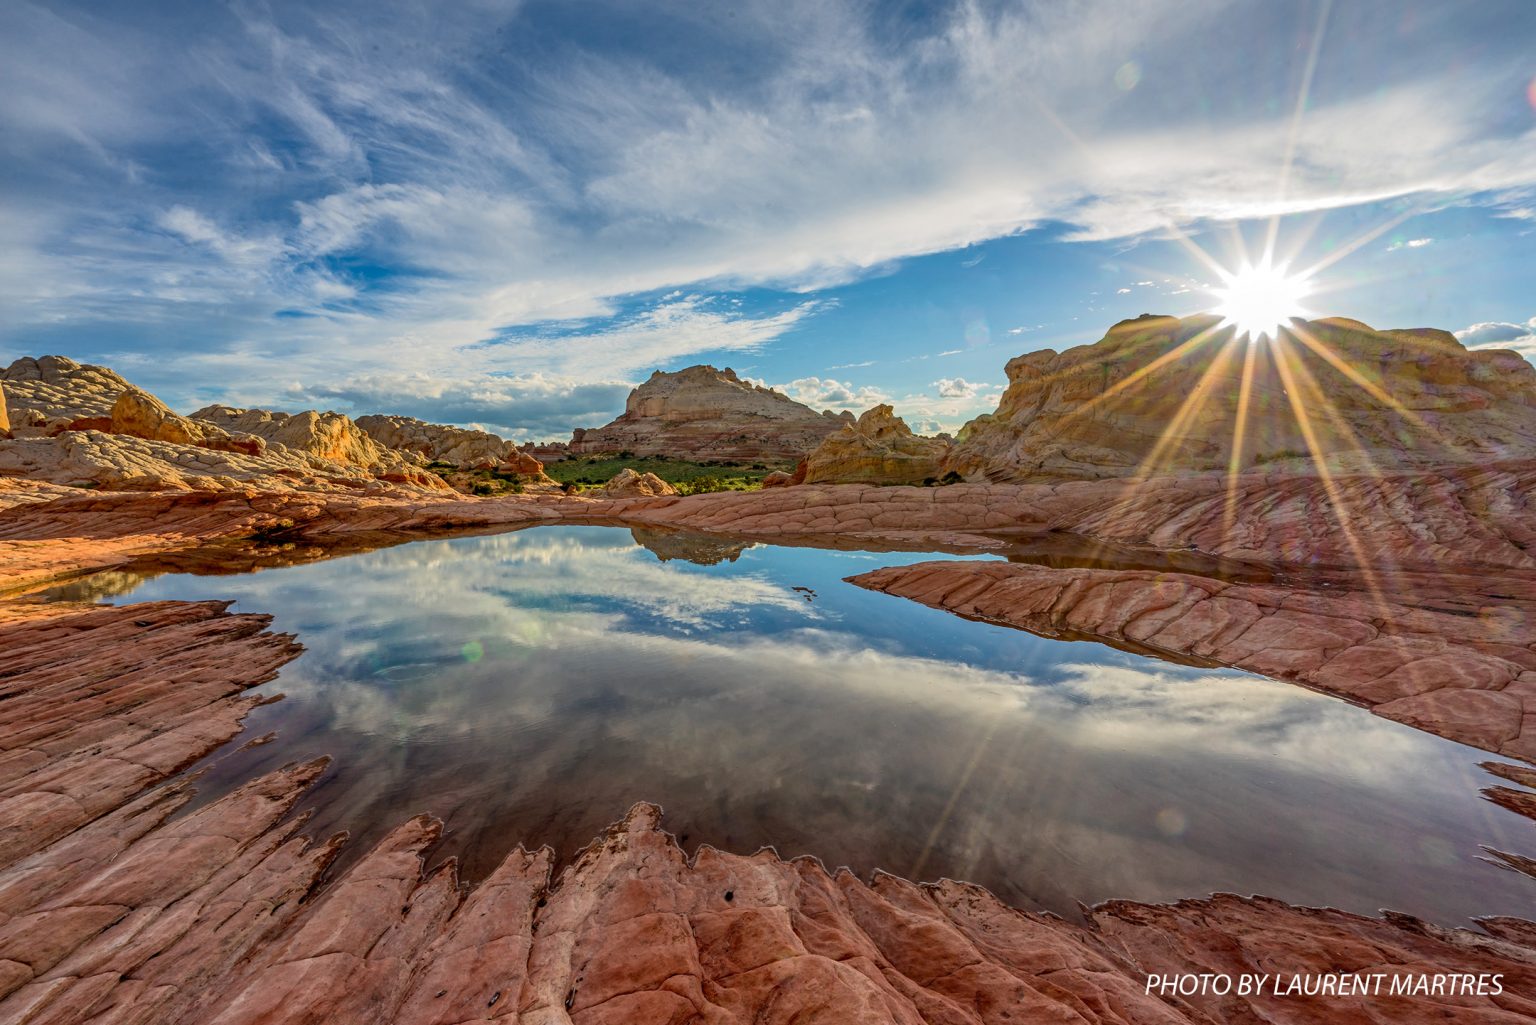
440,443
877,449
119,904
706,414
1162,395
5,415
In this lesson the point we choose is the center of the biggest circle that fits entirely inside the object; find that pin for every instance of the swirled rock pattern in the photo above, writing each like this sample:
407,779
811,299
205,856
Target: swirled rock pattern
120,905
1437,654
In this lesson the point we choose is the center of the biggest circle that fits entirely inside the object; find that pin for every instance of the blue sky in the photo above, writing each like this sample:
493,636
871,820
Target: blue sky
508,213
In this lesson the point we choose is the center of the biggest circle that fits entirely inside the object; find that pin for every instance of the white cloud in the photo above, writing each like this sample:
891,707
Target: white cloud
829,393
955,388
1412,243
1501,335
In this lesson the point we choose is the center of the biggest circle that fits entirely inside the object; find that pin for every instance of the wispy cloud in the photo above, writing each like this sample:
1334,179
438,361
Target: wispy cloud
399,189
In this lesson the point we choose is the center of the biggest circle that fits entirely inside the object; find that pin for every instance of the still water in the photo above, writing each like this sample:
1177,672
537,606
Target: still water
529,687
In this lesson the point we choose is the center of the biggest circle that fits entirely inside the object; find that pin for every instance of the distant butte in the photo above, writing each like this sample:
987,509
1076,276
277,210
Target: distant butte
701,413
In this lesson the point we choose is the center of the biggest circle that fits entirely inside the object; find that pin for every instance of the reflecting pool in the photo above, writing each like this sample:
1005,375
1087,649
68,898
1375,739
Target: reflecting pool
530,686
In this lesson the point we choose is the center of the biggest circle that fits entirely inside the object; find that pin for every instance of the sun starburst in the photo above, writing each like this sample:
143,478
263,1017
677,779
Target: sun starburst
1260,299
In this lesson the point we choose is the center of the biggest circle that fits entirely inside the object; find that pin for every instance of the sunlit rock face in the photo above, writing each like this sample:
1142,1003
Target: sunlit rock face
331,436
1163,395
879,449
704,413
86,426
56,389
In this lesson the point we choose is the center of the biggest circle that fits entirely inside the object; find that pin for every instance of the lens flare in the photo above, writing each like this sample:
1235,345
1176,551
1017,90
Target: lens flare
1260,299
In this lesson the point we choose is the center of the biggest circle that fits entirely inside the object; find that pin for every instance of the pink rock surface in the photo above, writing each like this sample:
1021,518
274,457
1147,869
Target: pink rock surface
1408,653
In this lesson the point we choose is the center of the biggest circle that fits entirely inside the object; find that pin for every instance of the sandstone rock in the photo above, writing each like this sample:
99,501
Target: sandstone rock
629,484
142,415
1407,658
330,436
439,443
5,416
131,906
878,449
778,479
56,388
704,414
124,462
1162,395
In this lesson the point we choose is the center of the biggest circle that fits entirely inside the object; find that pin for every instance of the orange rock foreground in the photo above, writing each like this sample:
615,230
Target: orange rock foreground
117,905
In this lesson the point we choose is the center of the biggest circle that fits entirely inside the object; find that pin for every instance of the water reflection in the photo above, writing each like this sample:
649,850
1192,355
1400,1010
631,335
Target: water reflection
531,686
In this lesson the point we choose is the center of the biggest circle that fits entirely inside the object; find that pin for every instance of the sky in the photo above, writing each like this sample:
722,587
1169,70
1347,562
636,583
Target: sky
506,214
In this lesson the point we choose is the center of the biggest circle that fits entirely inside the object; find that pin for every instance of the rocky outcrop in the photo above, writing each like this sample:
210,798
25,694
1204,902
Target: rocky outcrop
141,415
878,449
456,446
54,391
1433,654
706,414
627,483
96,459
1161,395
5,415
123,903
330,436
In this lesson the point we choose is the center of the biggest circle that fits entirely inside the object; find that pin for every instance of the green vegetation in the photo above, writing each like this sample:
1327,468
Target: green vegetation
1275,457
688,477
489,482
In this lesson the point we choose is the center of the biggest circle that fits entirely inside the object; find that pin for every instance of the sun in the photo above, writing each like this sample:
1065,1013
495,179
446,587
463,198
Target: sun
1260,299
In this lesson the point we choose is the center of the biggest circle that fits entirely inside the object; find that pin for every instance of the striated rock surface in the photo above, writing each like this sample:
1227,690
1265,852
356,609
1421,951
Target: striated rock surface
878,449
705,414
627,483
119,904
1437,655
1160,394
439,443
141,415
